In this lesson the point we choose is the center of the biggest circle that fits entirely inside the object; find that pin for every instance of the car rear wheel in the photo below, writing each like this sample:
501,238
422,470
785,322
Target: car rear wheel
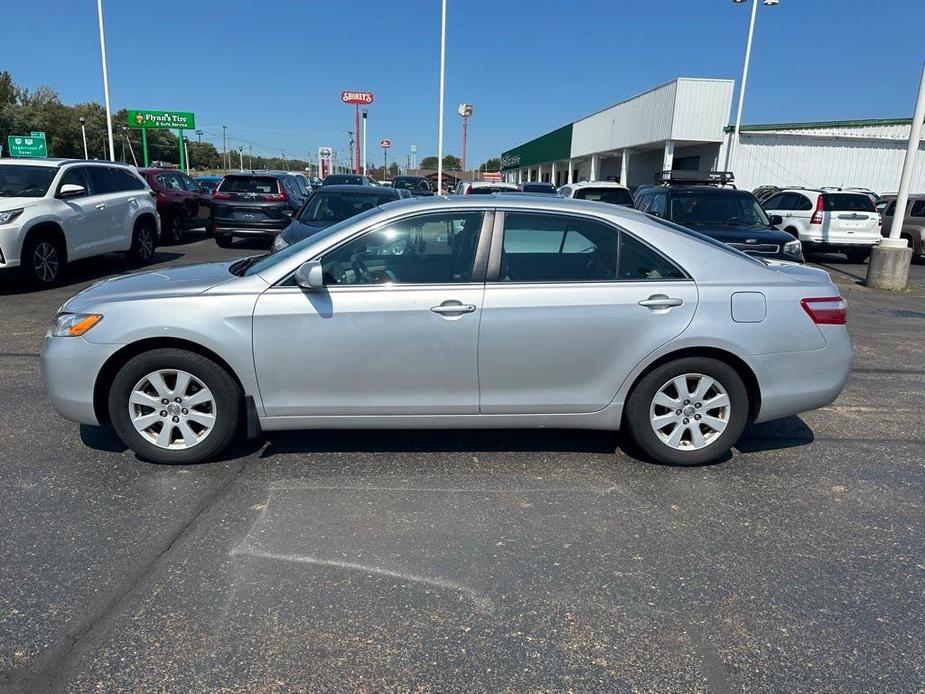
174,406
144,241
175,229
688,412
223,240
42,260
857,255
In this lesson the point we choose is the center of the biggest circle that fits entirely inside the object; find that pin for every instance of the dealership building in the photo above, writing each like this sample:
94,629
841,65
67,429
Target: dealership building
683,126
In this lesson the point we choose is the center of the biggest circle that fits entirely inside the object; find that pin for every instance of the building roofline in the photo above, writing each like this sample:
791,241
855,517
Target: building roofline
811,125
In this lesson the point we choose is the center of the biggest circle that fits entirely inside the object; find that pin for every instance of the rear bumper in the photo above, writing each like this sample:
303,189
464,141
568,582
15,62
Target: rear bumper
840,244
794,382
70,366
236,229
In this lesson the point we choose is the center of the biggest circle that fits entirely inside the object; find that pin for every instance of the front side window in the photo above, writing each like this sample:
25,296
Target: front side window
552,248
918,208
77,176
428,249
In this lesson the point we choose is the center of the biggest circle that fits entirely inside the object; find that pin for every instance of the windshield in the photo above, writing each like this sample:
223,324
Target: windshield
717,209
613,196
254,266
17,181
335,207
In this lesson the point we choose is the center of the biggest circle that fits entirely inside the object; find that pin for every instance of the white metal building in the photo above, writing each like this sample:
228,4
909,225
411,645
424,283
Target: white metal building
682,125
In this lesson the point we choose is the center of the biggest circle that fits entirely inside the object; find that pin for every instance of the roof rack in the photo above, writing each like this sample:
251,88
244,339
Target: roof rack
715,178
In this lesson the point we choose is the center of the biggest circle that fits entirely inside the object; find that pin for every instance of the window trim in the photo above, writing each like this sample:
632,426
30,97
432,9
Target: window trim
479,263
493,277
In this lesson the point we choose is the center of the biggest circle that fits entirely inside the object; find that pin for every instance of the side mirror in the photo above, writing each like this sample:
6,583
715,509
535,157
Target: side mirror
776,219
71,190
287,213
310,276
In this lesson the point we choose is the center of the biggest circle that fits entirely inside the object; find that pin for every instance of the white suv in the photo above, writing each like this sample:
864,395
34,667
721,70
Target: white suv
828,220
601,191
53,211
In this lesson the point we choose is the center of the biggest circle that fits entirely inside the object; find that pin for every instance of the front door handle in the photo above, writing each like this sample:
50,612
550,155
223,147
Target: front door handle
452,307
657,301
101,206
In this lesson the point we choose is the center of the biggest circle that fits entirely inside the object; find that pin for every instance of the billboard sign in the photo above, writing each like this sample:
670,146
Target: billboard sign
31,145
385,143
359,98
179,120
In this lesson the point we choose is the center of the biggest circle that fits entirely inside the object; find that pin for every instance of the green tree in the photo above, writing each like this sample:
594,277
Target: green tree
493,164
429,163
451,163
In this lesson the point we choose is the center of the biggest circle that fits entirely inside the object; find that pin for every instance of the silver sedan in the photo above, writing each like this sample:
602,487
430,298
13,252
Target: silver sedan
465,312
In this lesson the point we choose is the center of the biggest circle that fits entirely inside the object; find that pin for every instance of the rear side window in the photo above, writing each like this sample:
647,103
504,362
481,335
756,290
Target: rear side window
127,180
850,202
614,196
918,208
639,262
103,180
258,185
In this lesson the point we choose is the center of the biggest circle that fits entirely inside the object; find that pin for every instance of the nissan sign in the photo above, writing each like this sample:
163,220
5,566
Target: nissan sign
364,98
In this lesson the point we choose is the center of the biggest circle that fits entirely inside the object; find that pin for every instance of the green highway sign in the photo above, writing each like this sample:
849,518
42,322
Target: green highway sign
179,120
32,145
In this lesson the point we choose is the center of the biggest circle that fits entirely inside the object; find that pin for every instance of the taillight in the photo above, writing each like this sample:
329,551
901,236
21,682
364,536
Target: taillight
826,310
817,215
218,195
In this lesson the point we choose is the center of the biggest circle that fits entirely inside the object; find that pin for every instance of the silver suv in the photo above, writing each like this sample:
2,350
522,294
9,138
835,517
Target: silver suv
53,211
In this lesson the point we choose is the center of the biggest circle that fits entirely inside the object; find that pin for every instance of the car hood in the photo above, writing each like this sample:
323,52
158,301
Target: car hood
16,203
736,234
299,230
167,282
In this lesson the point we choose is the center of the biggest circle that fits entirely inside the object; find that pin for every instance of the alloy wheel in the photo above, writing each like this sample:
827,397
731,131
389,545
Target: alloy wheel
172,409
46,262
690,412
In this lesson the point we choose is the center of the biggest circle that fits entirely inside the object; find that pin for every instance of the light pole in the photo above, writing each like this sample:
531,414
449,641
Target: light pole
99,16
83,132
465,110
442,74
199,135
364,143
730,150
350,148
241,157
224,147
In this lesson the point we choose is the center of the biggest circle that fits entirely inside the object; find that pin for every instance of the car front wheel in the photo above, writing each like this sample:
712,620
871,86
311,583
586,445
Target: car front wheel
174,406
688,412
42,260
223,240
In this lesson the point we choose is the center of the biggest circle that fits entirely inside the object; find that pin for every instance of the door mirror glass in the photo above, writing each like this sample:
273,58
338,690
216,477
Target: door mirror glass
310,275
776,219
71,190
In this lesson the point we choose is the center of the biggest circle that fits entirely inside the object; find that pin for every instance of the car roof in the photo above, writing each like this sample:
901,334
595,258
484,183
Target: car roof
53,161
702,189
820,190
265,174
352,188
596,184
152,169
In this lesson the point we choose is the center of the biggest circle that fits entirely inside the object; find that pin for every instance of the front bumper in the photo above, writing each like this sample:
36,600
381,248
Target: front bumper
70,367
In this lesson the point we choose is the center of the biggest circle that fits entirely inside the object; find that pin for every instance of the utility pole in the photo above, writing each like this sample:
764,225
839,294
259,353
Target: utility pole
350,149
99,15
224,147
364,155
250,156
199,135
285,164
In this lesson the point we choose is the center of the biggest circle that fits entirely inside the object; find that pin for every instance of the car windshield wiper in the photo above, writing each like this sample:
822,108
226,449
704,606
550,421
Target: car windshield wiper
242,266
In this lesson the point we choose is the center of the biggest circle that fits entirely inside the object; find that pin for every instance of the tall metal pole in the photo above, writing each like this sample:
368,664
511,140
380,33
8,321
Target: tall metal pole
250,155
83,131
356,137
902,197
465,138
365,155
99,15
186,153
224,148
442,74
730,150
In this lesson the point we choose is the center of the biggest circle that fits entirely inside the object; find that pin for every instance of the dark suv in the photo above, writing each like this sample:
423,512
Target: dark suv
257,204
710,206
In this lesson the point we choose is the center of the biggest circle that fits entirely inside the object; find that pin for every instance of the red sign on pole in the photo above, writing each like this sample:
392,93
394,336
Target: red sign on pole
359,98
385,143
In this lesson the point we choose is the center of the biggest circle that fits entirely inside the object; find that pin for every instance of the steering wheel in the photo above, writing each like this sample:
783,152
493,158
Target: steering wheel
360,269
30,189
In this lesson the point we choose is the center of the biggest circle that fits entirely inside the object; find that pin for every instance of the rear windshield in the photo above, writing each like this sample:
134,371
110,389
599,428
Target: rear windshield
485,190
411,184
852,202
24,181
335,207
346,179
259,185
539,188
614,196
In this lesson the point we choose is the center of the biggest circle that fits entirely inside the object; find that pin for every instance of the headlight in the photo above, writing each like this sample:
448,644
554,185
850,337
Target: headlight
793,248
73,324
9,215
279,243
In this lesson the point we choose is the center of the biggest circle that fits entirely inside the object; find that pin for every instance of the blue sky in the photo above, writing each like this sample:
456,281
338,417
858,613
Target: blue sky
273,71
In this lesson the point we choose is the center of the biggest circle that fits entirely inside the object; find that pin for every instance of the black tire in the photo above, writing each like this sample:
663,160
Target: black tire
636,416
225,391
42,260
224,240
174,230
857,255
144,242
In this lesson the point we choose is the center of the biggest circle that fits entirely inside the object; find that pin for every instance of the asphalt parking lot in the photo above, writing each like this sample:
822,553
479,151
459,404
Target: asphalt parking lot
470,561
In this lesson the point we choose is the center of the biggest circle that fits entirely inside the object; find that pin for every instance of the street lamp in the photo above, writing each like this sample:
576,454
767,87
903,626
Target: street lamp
350,147
364,157
730,150
465,110
442,75
99,16
241,157
83,132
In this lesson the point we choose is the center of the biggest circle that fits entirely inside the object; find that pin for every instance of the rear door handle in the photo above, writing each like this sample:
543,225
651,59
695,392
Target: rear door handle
101,206
450,307
657,301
